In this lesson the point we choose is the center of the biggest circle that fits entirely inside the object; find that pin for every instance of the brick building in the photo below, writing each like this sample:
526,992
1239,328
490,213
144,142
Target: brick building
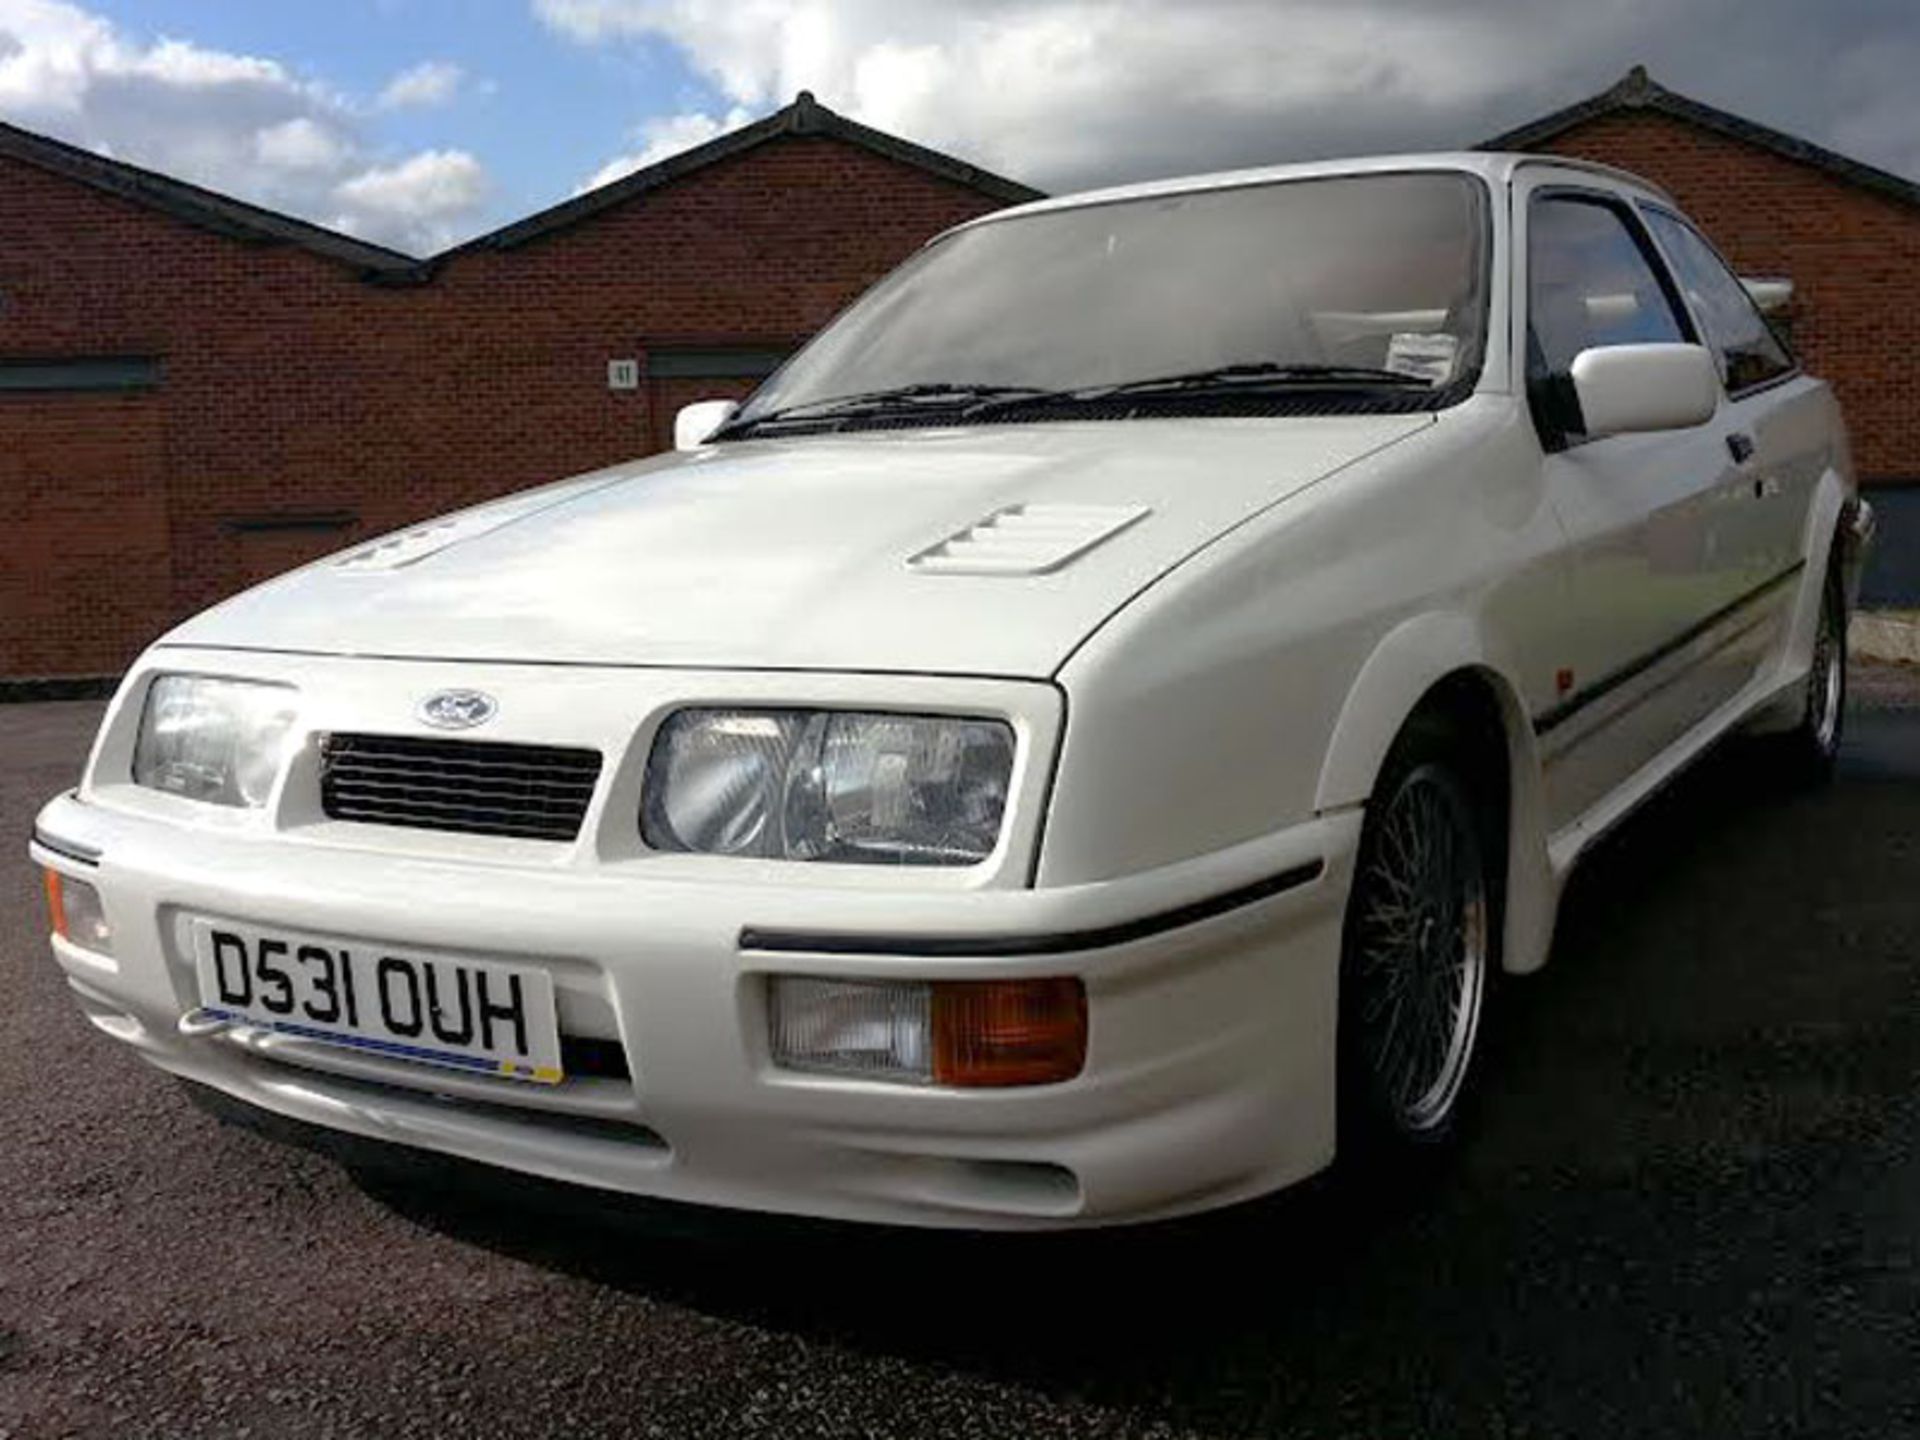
196,393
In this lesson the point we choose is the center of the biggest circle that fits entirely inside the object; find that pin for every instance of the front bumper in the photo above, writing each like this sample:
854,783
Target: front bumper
1211,997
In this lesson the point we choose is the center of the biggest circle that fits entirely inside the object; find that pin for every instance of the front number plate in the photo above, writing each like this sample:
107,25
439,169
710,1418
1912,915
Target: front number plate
470,1015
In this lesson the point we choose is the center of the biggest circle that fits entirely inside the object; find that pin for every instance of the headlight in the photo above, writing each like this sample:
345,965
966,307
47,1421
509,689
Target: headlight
220,741
828,785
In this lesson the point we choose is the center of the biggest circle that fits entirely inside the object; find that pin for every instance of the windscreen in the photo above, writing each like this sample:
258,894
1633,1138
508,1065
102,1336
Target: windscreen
1381,273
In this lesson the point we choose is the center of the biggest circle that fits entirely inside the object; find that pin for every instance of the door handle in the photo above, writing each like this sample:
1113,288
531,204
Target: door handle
1740,446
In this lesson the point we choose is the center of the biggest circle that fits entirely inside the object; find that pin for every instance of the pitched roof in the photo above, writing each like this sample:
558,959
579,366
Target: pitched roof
805,116
240,220
206,209
1637,91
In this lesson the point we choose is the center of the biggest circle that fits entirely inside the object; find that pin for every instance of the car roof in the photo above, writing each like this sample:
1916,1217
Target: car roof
1498,168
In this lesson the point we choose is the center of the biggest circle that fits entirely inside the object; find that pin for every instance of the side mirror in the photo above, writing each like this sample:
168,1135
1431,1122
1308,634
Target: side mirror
1630,389
1774,296
697,421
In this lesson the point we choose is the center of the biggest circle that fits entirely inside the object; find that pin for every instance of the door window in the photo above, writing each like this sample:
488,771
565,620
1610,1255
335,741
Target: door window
1749,352
1592,282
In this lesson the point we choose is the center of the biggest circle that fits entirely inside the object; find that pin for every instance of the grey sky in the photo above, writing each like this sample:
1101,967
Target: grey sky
1066,93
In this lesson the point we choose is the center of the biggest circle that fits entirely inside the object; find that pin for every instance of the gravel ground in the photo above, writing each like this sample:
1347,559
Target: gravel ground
1691,1204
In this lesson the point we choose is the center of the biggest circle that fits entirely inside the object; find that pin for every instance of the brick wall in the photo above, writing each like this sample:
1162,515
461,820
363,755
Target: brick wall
84,559
293,390
1853,255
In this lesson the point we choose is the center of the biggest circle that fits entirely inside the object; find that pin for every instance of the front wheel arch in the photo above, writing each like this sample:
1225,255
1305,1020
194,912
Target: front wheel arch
1438,661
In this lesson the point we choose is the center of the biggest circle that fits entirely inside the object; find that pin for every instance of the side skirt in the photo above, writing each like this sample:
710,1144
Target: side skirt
1565,846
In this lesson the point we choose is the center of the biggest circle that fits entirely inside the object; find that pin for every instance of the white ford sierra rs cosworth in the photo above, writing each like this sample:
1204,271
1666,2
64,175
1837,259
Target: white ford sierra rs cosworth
1080,744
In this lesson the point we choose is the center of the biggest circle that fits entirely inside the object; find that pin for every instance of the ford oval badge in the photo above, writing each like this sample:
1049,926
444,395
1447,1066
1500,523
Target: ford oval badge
458,709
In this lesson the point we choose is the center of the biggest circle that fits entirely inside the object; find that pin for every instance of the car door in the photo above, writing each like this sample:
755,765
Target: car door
1777,425
1649,572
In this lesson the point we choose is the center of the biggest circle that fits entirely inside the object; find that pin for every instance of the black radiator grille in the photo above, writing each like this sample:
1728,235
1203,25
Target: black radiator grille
535,792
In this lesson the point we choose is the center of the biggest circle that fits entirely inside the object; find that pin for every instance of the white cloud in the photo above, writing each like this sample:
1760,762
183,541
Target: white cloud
175,62
431,82
424,197
659,138
301,143
247,125
1071,92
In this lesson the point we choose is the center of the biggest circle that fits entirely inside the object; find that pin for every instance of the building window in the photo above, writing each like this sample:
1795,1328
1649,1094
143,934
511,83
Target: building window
715,362
106,372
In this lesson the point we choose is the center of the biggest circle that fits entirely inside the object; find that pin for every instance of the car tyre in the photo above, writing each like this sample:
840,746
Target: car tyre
1813,745
1419,953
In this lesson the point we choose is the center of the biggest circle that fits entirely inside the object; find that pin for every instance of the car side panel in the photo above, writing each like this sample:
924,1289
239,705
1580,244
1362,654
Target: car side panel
1644,516
1649,555
1202,715
1832,495
1793,428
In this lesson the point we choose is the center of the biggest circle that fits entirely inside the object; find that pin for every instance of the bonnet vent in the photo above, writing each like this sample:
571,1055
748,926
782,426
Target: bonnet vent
1027,539
405,547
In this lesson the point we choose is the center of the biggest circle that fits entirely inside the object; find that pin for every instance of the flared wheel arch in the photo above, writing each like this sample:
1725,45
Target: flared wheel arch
1435,665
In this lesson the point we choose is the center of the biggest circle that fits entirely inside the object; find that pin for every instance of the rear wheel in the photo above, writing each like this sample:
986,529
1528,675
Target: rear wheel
1419,952
1814,743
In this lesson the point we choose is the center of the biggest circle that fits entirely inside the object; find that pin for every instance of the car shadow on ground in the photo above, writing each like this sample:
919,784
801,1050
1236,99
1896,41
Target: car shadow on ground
1057,1312
1608,1184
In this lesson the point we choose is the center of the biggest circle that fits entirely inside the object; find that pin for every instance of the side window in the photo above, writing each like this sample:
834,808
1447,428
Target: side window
1591,283
1750,353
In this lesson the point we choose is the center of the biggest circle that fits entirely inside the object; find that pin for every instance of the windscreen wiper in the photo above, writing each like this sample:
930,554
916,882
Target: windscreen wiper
1246,375
1254,374
979,399
907,398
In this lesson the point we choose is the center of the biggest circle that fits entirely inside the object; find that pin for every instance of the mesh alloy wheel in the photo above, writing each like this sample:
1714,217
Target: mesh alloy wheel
1419,952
